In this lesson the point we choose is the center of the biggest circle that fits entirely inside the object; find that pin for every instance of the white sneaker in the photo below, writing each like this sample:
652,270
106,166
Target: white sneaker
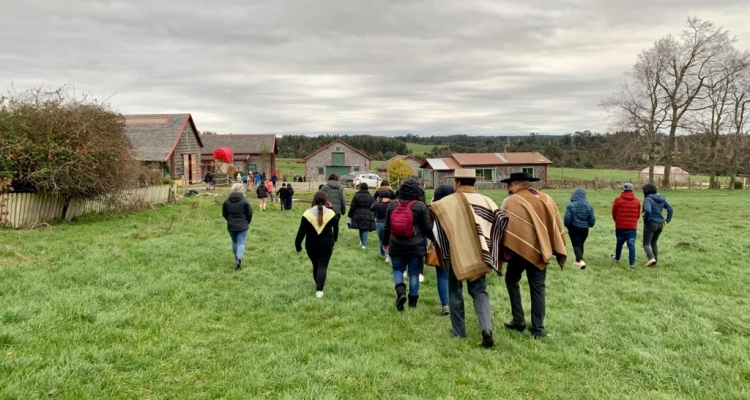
319,294
364,247
405,275
421,278
388,259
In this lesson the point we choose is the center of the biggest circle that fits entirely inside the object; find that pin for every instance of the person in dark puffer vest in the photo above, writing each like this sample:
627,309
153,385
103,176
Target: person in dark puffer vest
407,253
579,217
654,222
626,211
362,217
238,213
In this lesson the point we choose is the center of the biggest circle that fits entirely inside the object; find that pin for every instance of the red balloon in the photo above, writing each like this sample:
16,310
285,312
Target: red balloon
224,154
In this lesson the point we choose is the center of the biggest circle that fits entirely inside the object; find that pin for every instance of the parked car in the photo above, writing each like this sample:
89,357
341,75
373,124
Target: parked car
348,179
372,180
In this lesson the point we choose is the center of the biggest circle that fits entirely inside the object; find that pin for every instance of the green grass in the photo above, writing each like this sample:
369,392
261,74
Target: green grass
557,173
289,167
420,148
146,305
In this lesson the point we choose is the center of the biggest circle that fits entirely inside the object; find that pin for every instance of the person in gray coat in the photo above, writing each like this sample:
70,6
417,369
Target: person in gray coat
238,213
579,217
335,194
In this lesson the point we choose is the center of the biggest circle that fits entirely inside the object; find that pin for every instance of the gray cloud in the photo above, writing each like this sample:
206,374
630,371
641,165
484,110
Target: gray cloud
472,66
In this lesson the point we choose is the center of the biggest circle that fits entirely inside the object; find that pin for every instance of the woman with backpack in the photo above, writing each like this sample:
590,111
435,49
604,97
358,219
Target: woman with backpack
316,227
407,223
360,214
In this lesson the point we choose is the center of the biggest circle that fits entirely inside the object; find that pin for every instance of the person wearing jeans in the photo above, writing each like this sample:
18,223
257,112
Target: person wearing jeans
654,222
380,208
626,211
579,217
238,213
361,215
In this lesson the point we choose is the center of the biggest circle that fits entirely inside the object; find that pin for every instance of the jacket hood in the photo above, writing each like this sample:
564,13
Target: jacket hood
578,195
334,184
235,197
657,198
409,190
629,196
314,210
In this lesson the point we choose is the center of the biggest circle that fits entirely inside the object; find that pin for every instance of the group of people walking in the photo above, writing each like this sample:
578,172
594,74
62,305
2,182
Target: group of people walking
470,237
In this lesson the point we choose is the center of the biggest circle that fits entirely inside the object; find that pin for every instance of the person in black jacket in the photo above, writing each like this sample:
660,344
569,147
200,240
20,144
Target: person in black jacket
283,194
262,193
359,211
317,226
238,213
335,194
380,208
291,196
408,252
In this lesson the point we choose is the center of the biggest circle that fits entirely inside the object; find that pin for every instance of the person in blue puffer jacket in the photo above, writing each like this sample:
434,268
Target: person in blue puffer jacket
654,205
579,217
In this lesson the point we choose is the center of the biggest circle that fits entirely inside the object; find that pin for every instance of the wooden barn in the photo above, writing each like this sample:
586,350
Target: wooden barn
491,167
336,157
252,153
168,142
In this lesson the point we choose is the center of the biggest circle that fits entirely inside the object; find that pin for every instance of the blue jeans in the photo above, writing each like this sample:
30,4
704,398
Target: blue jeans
625,236
363,236
379,227
413,265
442,285
238,243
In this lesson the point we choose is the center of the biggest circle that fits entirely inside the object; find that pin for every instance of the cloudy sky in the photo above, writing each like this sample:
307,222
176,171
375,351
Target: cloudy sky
427,67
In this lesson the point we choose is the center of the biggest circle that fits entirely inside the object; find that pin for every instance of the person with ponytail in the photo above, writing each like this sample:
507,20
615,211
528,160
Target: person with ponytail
317,228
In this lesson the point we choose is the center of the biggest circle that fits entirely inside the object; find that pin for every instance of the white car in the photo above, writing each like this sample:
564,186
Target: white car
372,180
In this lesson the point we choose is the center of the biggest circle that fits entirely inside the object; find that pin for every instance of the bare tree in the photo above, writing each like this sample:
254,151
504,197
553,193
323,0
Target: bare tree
738,143
640,105
689,60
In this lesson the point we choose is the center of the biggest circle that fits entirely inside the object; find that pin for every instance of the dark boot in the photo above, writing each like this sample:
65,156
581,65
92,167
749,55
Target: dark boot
400,296
413,301
238,265
487,340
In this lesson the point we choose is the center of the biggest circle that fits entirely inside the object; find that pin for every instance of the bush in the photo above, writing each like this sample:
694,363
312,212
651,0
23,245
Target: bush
399,170
54,142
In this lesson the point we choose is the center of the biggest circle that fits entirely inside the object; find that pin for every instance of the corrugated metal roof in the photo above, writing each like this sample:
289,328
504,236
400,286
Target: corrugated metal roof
470,159
437,164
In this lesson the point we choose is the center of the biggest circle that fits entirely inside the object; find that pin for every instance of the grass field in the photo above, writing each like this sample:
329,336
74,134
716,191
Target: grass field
556,173
147,306
420,148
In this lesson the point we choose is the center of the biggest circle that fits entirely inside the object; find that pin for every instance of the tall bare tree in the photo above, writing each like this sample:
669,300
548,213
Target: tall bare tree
738,143
690,60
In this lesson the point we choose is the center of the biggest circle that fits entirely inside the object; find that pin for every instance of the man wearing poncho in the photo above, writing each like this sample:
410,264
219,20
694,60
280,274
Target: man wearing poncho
533,236
469,228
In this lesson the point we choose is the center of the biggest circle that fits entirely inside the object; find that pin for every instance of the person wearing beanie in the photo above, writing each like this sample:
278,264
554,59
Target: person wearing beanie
361,216
407,250
579,217
238,213
380,209
654,222
442,273
626,210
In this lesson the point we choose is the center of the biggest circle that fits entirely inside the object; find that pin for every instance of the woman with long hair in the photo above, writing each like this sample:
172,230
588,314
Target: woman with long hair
316,227
238,213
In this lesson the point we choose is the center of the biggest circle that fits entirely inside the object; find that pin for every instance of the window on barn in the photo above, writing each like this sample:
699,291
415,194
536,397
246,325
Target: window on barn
486,174
528,170
252,167
321,171
338,158
356,168
338,148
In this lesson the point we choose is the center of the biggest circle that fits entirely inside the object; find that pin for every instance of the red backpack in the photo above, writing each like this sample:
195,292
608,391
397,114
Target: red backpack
402,219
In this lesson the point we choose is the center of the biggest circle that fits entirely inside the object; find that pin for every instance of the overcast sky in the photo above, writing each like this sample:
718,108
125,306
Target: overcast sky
427,67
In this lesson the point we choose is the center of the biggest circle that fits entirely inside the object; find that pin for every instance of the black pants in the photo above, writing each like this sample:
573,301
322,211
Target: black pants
320,256
336,220
651,233
516,266
578,237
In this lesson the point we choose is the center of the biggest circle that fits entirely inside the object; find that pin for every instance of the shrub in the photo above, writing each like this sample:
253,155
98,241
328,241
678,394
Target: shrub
399,170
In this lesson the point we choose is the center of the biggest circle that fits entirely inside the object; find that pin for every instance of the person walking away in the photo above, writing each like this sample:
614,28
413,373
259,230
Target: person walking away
238,214
386,186
208,178
380,209
282,194
316,228
626,211
335,193
274,179
440,271
406,226
534,235
262,194
579,217
269,189
362,217
654,222
291,196
469,229
239,177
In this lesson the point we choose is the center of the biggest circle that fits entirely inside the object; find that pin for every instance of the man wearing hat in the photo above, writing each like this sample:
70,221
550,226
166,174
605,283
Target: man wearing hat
533,236
626,211
469,230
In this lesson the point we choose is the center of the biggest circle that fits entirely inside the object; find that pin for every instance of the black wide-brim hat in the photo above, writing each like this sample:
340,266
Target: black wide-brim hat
519,177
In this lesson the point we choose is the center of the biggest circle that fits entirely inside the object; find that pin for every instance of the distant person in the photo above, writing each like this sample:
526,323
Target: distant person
274,179
579,217
238,214
362,217
289,199
239,177
407,224
335,194
654,221
269,189
386,186
380,208
534,235
316,227
256,177
626,211
283,194
262,192
209,179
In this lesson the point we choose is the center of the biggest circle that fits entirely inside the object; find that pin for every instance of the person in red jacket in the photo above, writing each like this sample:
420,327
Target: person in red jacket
626,211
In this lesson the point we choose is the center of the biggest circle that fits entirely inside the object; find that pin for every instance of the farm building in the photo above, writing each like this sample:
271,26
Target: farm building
677,175
168,142
409,159
336,157
252,153
491,167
